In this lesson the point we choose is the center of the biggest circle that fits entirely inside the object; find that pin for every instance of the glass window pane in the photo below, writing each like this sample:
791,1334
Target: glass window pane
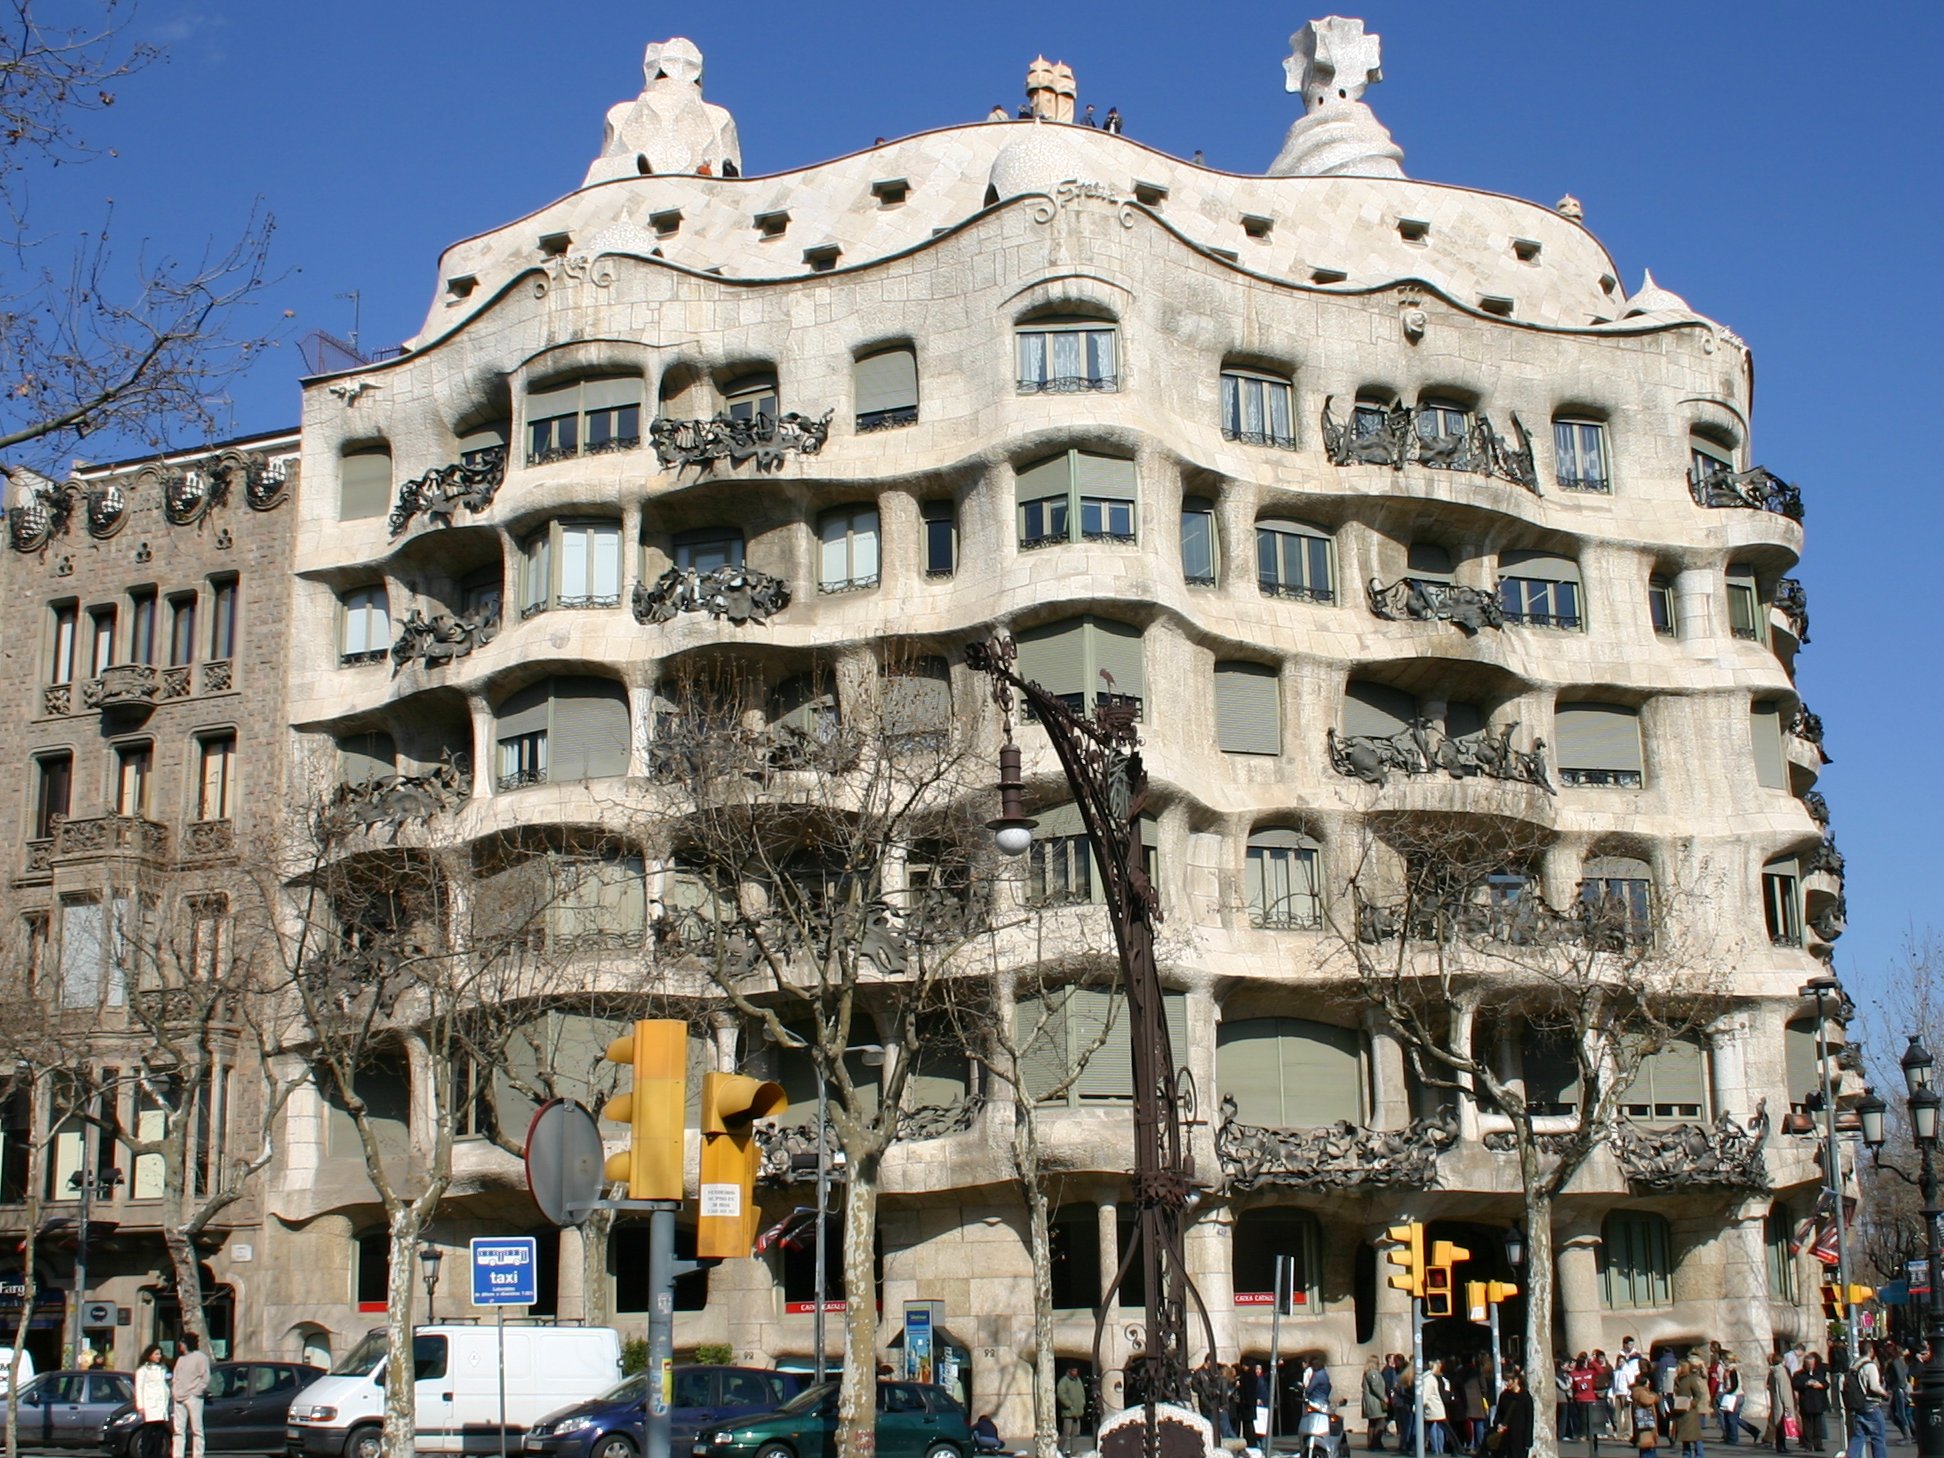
574,577
835,566
606,565
1066,346
864,546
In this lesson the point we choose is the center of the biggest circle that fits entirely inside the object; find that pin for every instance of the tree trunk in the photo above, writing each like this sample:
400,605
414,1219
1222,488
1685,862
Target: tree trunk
857,1396
595,1234
401,1407
175,1237
1046,1429
31,1217
1539,1299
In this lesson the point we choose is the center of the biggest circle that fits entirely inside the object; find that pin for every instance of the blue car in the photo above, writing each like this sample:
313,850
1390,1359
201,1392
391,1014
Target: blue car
609,1426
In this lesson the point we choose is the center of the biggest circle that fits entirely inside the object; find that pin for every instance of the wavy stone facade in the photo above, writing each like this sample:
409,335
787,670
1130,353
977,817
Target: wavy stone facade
759,304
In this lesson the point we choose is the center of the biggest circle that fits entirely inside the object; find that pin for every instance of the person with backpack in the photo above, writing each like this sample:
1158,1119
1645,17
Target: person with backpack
1896,1377
1863,1399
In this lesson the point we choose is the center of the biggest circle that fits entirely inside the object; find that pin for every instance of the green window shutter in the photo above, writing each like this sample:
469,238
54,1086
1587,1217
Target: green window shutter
1430,561
1040,1037
1061,820
1765,729
525,711
1543,566
1248,1068
886,381
364,485
1109,1074
1109,476
610,391
1671,1081
1115,647
1054,656
1597,736
1377,709
366,757
1248,708
556,400
918,699
1803,1067
1049,477
1322,1074
487,437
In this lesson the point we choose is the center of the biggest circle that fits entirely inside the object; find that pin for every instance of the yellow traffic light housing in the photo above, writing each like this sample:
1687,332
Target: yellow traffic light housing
1407,1251
1498,1291
1832,1299
651,1165
725,1226
1438,1289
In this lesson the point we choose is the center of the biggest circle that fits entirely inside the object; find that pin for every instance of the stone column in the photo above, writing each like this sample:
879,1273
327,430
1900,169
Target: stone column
1576,1289
1463,1014
1391,1332
1211,1265
1696,591
1743,1308
1728,1066
484,759
1390,1092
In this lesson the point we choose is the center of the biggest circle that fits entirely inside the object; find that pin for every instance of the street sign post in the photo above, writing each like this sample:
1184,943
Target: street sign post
563,1161
505,1272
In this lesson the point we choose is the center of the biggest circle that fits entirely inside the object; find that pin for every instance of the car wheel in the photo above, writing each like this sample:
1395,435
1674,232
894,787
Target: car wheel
942,1450
364,1442
775,1450
614,1445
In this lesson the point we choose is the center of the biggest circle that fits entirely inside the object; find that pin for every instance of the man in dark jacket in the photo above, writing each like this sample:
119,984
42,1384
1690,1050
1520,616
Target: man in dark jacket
1512,1422
1812,1403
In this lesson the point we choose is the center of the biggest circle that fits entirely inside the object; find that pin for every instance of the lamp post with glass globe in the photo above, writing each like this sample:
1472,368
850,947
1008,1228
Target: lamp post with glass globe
1923,1100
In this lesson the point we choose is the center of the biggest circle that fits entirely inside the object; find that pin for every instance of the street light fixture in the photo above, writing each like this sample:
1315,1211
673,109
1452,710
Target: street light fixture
1515,1248
429,1257
1012,832
1924,1101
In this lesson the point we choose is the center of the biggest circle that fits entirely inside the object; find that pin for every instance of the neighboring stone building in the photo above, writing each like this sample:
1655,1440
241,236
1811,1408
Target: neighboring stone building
141,686
1378,495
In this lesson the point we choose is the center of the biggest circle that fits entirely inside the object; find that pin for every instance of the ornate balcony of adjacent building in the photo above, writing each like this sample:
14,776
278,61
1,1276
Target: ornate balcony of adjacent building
110,835
1340,1156
123,688
208,840
1755,490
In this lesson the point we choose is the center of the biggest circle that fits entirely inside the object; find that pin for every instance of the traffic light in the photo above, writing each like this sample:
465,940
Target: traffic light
657,1051
725,1225
1837,1300
1497,1291
1438,1290
1407,1250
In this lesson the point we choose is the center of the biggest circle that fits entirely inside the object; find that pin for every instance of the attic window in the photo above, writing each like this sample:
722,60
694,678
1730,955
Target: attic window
1149,194
1327,275
462,286
823,257
1608,283
1526,249
666,224
1412,230
773,225
1256,226
555,244
1496,304
890,191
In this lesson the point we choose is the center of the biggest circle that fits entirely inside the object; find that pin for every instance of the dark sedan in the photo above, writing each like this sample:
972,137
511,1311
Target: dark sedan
609,1426
67,1409
244,1412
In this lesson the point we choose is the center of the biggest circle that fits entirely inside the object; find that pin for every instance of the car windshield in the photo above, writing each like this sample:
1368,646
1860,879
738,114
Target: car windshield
810,1399
363,1357
631,1389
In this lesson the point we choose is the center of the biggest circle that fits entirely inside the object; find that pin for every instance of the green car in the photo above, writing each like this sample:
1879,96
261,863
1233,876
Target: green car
914,1420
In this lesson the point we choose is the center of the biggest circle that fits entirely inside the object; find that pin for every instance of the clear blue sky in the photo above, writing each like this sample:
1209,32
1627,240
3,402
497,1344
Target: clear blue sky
1774,163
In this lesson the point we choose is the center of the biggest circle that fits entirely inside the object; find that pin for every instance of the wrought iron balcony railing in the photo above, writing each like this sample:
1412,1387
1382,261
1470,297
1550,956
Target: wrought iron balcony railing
472,482
1260,438
1401,435
1423,748
764,439
739,594
1417,599
1069,385
1335,1157
872,420
1756,489
1792,601
1618,779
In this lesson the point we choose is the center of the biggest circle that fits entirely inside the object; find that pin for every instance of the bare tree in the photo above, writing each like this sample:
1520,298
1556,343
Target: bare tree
1446,915
133,346
821,882
1890,1229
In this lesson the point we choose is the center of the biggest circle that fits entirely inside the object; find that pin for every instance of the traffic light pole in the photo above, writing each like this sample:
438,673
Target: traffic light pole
1498,1370
1420,1376
661,1327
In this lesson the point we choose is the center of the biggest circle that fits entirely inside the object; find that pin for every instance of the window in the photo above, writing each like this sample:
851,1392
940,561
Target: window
752,397
1282,881
1054,1029
476,445
1060,869
363,758
53,791
1669,1085
182,629
1065,356
916,702
1293,560
707,549
217,754
479,594
1077,496
1198,554
367,625
1765,733
563,729
600,901
373,1267
1073,1250
1287,1073
805,707
101,633
583,417
1549,1071
1802,1057
60,661
941,538
141,626
1634,1265
1598,744
885,386
1540,590
1778,1238
1256,409
1707,460
84,950
208,936
1744,604
847,541
1782,901
1263,1235
1580,455
132,765
1085,662
1443,431
222,618
1660,607
364,485
1248,708
1616,900
571,565
1370,419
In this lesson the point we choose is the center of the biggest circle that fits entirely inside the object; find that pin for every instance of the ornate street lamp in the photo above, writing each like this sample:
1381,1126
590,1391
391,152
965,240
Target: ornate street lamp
1515,1249
1923,1103
1101,756
429,1257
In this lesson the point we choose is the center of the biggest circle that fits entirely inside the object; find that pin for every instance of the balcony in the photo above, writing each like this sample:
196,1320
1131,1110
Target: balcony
1419,600
887,419
1400,435
1068,384
737,439
1792,601
1757,489
472,482
122,687
737,594
1337,1157
1424,748
110,835
208,839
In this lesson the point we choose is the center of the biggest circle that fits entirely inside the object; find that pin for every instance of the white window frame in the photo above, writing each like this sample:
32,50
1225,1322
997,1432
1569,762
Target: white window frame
365,628
1571,434
1258,408
1067,356
850,549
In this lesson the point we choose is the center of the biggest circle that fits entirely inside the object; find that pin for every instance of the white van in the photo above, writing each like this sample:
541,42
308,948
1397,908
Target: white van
6,1367
458,1388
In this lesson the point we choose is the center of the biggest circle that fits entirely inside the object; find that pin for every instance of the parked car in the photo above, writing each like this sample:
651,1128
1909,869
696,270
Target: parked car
610,1426
914,1420
458,1388
67,1409
244,1412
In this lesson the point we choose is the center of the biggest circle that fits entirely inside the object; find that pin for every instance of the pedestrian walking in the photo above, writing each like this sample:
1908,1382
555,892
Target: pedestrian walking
1437,1430
1729,1399
1688,1399
1643,1413
1864,1397
1070,1397
1511,1431
1781,1403
187,1387
152,1402
1896,1377
1812,1402
1376,1404
1404,1403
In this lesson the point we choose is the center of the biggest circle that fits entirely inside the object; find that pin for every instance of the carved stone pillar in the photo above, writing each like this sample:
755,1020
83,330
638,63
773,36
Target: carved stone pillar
485,743
1728,1066
1390,1092
725,1029
1391,1332
1576,1292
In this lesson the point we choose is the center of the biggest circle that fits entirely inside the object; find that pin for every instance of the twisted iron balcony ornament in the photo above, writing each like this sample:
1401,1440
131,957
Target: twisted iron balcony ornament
1101,756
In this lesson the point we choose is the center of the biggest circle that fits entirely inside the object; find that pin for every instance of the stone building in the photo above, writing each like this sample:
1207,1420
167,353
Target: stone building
1381,497
142,687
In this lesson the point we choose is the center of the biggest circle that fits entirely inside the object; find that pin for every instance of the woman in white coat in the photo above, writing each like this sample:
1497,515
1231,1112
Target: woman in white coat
152,1402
